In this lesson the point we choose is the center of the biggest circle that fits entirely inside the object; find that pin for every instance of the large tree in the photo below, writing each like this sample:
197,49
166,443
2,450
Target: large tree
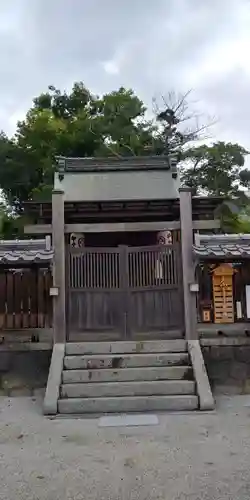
216,169
78,123
70,124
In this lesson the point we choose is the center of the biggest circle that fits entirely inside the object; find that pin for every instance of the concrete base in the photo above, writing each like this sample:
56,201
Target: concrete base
206,400
212,330
127,377
23,373
96,361
96,390
54,380
127,404
129,347
127,374
228,367
128,420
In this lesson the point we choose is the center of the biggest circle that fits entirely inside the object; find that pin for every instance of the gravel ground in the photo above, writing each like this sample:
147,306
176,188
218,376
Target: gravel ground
194,456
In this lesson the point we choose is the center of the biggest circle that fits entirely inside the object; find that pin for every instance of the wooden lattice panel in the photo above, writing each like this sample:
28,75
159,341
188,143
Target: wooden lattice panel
223,294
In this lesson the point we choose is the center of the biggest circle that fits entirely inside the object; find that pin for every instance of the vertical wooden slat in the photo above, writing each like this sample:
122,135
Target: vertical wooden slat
95,274
142,259
87,270
112,264
171,257
46,298
90,270
117,263
78,270
25,298
117,274
41,298
33,299
130,268
170,266
107,270
167,266
83,281
111,267
139,274
17,299
100,267
74,269
146,268
82,271
152,267
174,258
177,266
2,299
10,300
104,271
49,300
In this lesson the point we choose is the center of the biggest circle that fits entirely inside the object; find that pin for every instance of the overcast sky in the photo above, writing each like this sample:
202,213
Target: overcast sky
152,46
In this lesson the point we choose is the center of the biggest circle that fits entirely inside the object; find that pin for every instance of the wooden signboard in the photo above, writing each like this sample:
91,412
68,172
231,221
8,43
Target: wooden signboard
223,294
206,316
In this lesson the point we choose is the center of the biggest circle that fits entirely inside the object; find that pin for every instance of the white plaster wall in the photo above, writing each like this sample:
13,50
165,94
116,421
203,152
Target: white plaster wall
118,186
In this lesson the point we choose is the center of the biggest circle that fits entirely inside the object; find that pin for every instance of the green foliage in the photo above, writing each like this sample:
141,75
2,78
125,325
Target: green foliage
216,170
78,124
70,124
11,225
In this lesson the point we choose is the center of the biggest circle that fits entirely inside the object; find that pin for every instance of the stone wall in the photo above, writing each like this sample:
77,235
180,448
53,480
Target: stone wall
26,373
23,373
228,368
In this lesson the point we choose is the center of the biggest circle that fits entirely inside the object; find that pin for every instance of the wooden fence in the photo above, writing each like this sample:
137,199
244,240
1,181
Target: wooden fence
24,298
125,290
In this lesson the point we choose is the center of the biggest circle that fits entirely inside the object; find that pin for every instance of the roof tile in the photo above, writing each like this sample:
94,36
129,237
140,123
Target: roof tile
227,251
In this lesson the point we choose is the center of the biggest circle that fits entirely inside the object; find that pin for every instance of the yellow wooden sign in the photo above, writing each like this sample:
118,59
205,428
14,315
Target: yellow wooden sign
223,293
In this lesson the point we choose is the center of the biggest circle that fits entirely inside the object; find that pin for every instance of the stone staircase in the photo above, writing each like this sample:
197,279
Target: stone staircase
122,377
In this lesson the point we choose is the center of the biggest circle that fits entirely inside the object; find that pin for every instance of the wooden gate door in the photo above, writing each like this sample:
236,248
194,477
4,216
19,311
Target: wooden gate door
155,291
94,301
124,291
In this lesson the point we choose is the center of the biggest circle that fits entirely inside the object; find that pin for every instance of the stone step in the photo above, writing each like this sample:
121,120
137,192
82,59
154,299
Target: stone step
149,388
100,361
128,374
127,404
170,334
148,346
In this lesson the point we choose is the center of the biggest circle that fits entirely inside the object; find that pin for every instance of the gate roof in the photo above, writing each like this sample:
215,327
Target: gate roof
222,246
25,251
131,178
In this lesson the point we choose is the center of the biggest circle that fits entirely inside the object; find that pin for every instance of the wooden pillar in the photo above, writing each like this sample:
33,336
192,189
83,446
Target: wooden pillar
58,242
188,263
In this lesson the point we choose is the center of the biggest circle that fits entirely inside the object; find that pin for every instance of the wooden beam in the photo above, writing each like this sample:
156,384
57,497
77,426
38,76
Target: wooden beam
206,224
38,229
115,227
58,242
121,227
188,264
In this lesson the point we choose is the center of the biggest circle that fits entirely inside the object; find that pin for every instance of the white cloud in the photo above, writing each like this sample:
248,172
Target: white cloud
152,47
111,67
